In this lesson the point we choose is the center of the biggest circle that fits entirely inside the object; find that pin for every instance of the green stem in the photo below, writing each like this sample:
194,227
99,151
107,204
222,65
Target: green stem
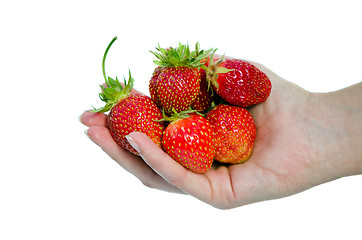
104,60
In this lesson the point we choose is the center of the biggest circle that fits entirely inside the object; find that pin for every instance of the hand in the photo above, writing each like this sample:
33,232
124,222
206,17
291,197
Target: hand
282,163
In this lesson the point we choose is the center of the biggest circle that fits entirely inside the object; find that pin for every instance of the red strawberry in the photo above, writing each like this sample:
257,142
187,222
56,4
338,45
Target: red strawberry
188,140
239,82
178,84
129,112
177,88
234,133
153,85
205,98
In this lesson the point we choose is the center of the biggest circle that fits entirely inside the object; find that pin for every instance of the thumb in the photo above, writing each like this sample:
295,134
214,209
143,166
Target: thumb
168,168
155,157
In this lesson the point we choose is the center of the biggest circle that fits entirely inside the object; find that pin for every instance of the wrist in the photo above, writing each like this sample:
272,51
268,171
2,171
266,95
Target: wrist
335,132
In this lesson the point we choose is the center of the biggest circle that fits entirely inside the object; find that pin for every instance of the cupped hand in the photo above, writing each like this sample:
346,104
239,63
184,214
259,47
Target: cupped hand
281,164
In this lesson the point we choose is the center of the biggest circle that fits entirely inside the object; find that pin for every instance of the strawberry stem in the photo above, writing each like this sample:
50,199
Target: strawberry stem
114,92
104,60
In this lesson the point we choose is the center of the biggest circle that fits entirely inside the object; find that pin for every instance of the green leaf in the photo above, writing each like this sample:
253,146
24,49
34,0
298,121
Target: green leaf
111,82
118,84
223,70
180,56
203,67
109,93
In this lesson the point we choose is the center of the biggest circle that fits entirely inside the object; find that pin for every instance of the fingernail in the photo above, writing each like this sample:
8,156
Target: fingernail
80,116
86,133
133,143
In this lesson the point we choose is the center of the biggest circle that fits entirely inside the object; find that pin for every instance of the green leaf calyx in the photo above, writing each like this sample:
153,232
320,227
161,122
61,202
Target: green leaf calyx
180,56
113,91
213,70
177,115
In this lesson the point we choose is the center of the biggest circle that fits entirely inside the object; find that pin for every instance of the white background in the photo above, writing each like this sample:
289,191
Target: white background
56,184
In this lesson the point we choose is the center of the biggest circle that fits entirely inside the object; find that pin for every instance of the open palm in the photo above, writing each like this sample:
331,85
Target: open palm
280,165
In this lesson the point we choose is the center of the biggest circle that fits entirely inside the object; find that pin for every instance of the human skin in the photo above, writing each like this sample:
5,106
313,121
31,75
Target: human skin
303,139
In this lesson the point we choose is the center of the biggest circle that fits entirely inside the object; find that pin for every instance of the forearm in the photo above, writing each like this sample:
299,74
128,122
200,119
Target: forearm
335,130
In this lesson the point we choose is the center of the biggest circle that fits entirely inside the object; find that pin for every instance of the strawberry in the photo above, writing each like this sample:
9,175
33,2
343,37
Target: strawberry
129,112
238,82
188,140
153,85
234,133
178,84
205,97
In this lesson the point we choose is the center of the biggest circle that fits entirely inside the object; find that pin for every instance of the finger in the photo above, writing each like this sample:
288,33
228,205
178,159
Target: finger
194,184
93,119
130,162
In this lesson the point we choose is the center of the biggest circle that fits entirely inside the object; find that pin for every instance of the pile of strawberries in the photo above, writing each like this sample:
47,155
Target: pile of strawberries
197,109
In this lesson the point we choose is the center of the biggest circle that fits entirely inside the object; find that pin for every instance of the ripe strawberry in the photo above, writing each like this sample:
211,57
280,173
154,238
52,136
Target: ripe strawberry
178,84
188,140
234,133
206,96
153,85
238,82
129,112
